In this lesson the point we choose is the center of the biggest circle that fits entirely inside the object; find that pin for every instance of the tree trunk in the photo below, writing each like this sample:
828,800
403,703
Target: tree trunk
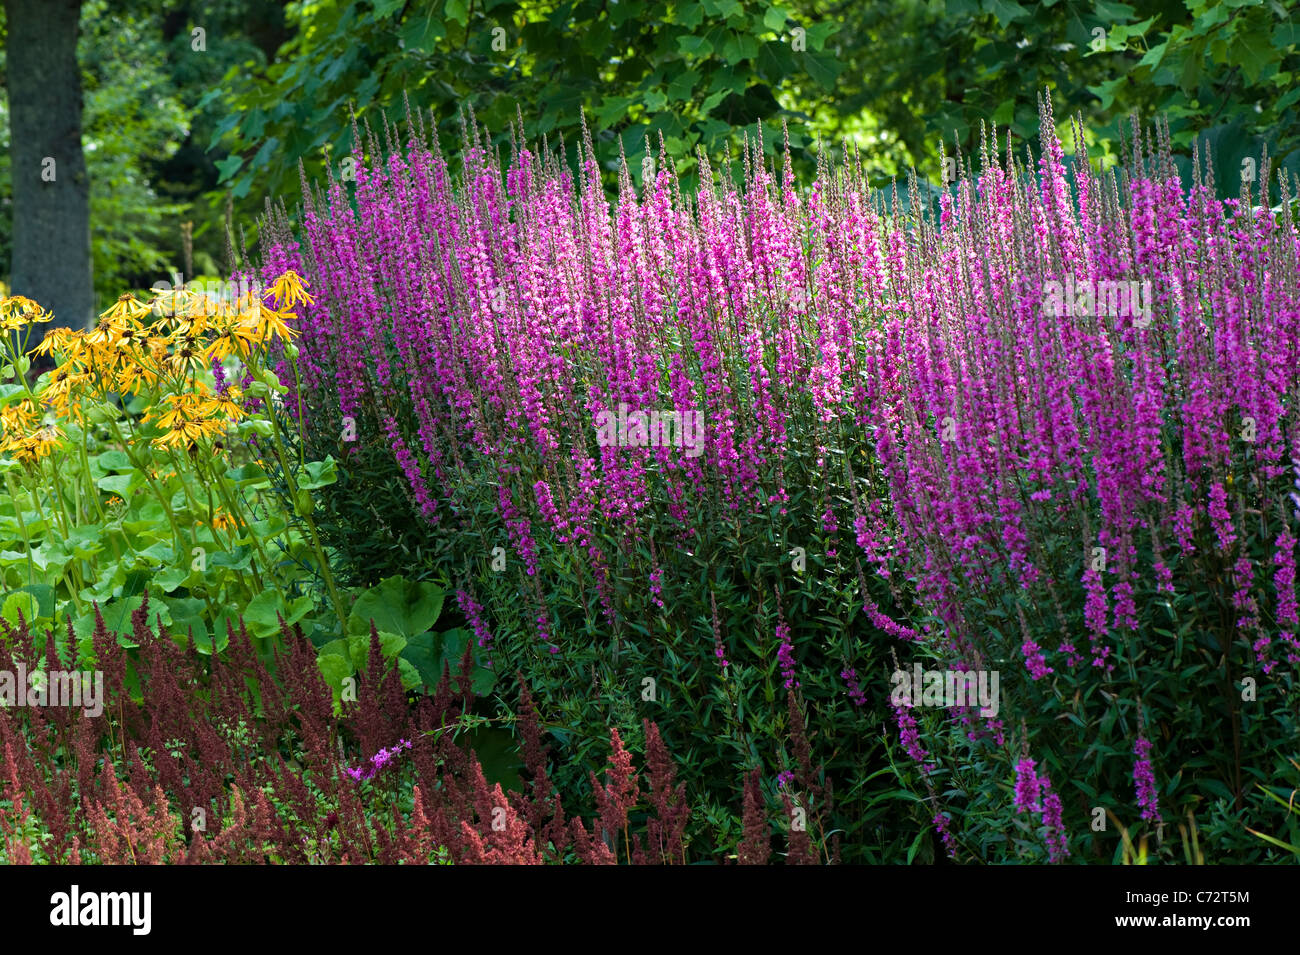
51,228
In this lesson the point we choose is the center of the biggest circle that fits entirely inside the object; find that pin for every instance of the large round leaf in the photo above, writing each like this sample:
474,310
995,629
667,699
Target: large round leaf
397,605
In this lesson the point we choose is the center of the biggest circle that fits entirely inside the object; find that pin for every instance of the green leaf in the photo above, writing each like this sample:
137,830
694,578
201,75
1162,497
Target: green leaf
10,393
84,542
820,32
114,461
422,34
45,599
774,19
24,605
240,559
117,620
424,652
228,167
260,613
689,15
397,605
119,484
1286,34
1114,13
335,667
1252,51
1277,842
694,45
453,643
390,645
248,474
823,68
171,578
160,553
458,10
411,679
723,8
273,526
319,474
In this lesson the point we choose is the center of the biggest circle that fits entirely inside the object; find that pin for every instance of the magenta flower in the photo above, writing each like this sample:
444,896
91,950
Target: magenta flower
785,654
1058,849
1027,798
1145,781
850,677
377,762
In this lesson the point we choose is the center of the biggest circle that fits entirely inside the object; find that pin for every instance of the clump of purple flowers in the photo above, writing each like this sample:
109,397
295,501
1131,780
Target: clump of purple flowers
850,677
1057,842
1144,780
1034,794
377,762
474,614
1028,793
785,654
910,737
949,844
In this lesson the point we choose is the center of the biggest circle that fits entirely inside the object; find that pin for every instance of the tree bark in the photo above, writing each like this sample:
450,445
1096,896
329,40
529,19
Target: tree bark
51,206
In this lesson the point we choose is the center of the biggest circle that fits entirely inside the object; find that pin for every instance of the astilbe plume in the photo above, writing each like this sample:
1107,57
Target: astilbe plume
15,819
616,798
800,842
755,847
501,836
664,831
542,808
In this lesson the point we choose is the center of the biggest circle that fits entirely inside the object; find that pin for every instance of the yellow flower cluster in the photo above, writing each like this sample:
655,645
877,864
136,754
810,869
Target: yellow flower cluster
138,347
25,433
17,312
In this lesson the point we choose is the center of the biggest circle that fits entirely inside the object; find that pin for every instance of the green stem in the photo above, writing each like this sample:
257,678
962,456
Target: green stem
319,550
84,448
227,498
153,486
75,579
196,509
22,527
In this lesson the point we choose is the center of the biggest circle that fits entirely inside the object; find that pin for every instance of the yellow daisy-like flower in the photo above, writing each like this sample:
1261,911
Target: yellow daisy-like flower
186,433
194,320
261,322
221,520
99,359
127,307
187,357
158,348
230,408
131,339
178,411
36,445
290,291
233,338
18,311
171,308
64,341
62,384
106,330
19,417
134,376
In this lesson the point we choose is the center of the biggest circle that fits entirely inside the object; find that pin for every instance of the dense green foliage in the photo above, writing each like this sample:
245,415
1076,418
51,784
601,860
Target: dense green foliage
177,126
